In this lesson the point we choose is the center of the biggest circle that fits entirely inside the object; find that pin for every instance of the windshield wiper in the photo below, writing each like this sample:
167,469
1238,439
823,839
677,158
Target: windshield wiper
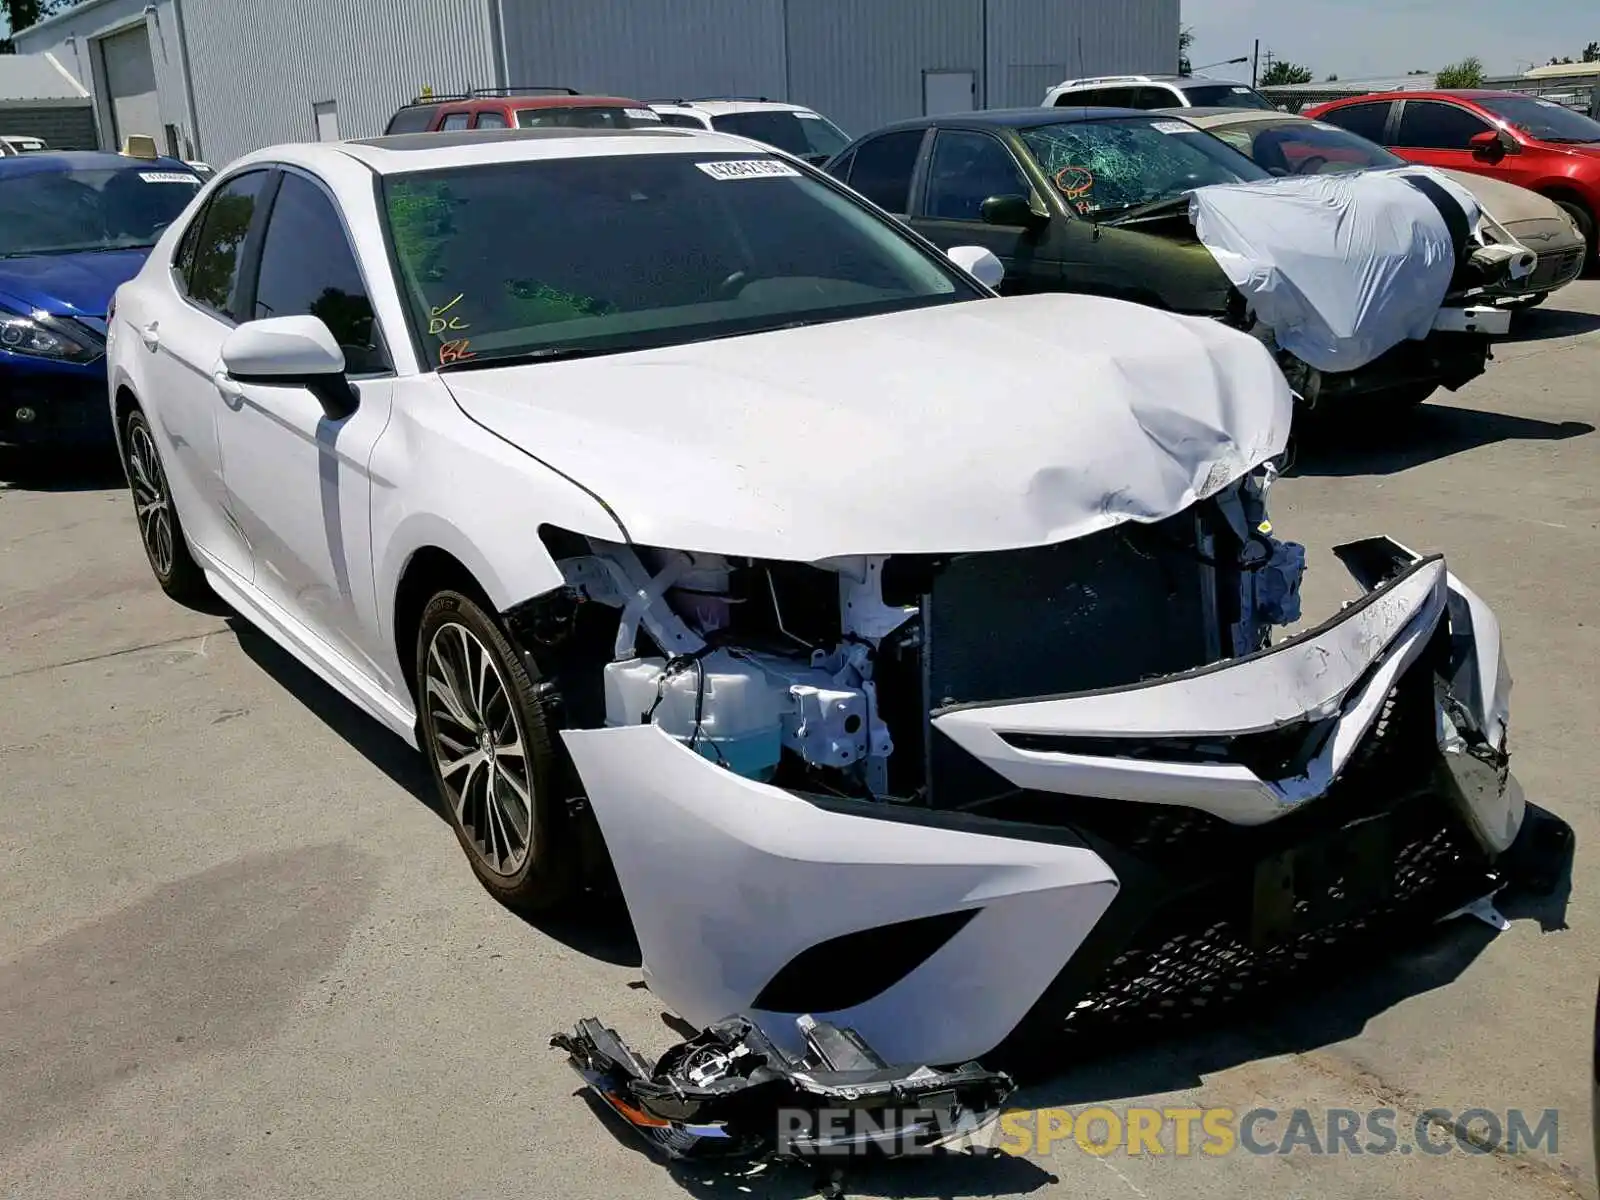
527,357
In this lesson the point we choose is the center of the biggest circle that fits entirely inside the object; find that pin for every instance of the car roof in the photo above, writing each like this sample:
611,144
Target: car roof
725,106
85,160
399,152
477,103
1014,118
1435,94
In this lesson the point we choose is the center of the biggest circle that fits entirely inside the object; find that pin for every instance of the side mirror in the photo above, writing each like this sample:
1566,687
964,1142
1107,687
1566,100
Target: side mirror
1493,145
1011,210
978,262
291,352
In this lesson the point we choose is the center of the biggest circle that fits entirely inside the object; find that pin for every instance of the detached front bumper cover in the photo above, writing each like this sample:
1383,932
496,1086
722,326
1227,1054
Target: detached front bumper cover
729,1091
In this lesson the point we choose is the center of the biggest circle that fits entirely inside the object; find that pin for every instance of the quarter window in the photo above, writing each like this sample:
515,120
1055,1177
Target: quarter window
883,169
967,169
308,269
1429,125
213,276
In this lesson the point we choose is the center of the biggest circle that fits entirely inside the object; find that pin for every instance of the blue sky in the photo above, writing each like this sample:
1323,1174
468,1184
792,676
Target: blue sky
1390,37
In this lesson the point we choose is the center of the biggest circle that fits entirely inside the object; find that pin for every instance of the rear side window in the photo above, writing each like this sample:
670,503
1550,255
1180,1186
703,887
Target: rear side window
883,168
213,279
411,119
1110,97
309,269
456,120
492,120
1429,125
1364,120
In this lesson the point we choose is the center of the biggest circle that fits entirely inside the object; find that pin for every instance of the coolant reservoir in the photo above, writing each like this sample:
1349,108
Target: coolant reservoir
740,706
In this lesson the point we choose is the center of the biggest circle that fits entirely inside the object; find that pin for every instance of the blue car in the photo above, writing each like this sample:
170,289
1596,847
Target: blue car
73,226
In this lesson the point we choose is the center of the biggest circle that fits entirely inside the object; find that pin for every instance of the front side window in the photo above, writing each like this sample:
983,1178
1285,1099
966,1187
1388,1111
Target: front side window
213,279
1226,95
806,135
883,168
492,120
1363,120
1291,147
66,212
967,169
1544,120
1106,167
309,269
1430,125
602,254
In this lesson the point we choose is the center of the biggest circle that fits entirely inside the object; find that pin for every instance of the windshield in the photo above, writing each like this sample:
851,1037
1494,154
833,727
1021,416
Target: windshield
1292,147
1543,119
807,135
1226,95
586,116
1104,167
64,212
602,254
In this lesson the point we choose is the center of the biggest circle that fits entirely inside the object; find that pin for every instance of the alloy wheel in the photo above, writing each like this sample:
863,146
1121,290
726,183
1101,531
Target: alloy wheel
152,502
477,741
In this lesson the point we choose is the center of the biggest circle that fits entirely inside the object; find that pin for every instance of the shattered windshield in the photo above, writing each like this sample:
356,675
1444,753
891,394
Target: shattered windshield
555,258
1112,166
69,212
1298,147
1544,119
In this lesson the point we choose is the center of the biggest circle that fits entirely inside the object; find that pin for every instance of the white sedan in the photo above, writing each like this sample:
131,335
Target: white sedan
905,650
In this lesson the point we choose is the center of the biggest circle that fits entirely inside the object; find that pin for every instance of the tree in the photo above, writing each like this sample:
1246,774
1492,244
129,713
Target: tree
1281,72
20,14
1468,73
1334,78
1591,52
1185,42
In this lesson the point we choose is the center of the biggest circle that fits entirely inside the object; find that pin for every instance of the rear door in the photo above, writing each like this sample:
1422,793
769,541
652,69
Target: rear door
1370,121
967,167
882,169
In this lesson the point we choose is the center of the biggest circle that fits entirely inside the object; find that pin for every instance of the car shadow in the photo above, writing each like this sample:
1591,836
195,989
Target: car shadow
595,924
1545,324
1424,434
60,470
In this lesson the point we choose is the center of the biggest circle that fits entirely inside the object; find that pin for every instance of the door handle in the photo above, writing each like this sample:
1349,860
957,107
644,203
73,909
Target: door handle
150,335
232,393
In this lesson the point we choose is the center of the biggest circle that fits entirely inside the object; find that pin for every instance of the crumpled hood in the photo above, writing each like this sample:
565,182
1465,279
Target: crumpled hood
984,425
68,284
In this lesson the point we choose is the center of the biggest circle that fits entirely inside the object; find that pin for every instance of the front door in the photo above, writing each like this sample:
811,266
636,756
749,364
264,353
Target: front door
968,167
1440,135
299,479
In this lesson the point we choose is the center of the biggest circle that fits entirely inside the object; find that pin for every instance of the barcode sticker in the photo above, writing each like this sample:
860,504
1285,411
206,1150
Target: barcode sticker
746,168
1173,127
168,177
642,114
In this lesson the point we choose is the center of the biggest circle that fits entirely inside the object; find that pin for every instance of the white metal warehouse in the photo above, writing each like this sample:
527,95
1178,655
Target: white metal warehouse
214,79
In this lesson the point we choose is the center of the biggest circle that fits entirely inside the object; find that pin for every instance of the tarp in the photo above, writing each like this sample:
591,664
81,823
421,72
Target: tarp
1341,268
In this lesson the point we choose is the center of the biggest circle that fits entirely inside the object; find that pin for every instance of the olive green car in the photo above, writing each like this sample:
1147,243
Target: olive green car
1096,200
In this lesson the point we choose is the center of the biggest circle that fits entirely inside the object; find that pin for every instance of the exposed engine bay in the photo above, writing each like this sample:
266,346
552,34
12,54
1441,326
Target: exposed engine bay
824,676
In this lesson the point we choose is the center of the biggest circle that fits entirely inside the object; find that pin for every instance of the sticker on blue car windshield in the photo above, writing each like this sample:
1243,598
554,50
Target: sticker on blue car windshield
746,168
168,177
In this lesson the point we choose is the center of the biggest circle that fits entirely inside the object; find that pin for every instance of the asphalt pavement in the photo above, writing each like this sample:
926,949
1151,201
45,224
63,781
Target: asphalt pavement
242,956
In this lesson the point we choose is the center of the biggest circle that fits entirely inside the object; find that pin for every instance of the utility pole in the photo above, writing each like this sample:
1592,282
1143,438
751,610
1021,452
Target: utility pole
1270,59
1255,63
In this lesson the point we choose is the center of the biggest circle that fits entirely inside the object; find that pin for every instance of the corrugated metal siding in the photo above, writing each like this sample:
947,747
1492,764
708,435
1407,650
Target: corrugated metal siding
647,51
1035,44
62,126
258,68
80,57
861,61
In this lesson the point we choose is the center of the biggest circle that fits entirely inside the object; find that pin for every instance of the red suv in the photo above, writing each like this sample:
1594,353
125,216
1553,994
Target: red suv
1521,139
521,108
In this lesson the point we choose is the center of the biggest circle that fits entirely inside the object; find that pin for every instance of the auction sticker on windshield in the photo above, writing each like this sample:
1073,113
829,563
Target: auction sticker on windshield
642,114
167,177
1173,127
746,168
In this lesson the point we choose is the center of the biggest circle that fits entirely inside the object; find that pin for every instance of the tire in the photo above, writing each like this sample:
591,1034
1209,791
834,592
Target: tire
160,529
1586,225
476,701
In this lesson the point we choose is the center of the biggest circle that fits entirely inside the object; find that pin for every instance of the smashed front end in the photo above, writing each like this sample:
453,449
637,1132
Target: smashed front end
958,801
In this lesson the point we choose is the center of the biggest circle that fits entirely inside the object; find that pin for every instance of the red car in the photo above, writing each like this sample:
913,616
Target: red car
1534,143
521,108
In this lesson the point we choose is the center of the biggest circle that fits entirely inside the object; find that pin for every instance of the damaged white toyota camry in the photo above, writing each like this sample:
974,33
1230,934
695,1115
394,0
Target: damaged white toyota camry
905,650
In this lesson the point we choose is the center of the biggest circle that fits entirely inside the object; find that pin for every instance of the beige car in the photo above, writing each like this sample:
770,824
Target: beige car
1285,144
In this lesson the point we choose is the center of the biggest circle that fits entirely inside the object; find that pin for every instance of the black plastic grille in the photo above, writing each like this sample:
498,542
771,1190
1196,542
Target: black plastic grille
1555,268
66,410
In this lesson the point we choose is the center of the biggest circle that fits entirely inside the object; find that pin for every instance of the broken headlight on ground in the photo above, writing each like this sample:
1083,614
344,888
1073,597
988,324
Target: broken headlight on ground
730,1091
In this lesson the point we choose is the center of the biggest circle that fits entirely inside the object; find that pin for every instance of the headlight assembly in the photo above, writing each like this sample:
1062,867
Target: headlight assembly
41,336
